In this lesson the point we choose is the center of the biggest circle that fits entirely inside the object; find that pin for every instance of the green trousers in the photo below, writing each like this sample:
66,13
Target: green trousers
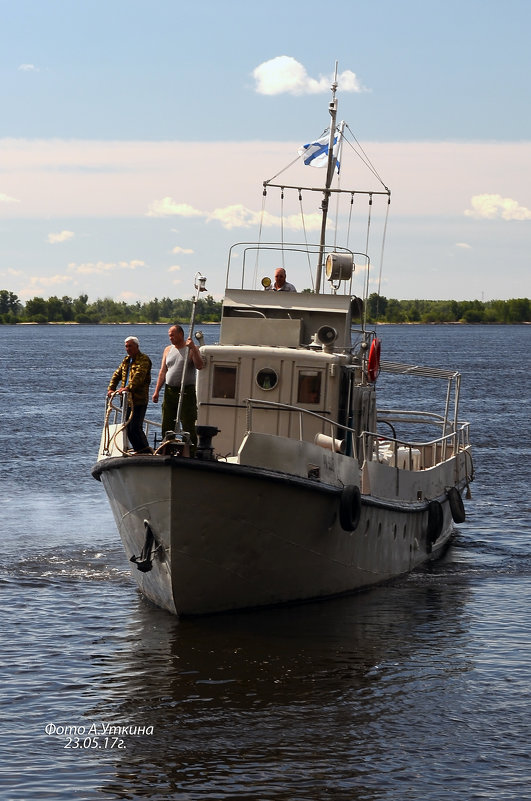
188,410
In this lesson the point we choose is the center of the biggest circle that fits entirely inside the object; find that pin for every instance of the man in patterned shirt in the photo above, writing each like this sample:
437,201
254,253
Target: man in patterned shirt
135,374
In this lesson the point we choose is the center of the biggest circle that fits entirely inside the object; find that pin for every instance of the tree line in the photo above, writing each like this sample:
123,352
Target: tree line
381,309
79,310
167,310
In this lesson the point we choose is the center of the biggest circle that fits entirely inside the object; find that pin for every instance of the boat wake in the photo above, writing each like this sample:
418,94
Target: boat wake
58,566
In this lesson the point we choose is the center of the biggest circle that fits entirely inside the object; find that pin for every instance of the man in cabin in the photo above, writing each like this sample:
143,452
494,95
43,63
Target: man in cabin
281,285
135,374
180,355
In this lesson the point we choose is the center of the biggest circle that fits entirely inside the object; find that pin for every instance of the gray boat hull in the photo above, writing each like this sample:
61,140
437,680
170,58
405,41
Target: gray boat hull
220,536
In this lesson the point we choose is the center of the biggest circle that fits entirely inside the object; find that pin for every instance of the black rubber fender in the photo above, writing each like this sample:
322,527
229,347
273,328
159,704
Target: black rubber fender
435,521
350,507
457,506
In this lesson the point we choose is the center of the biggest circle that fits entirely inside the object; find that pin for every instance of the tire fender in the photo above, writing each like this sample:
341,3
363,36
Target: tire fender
350,507
457,506
435,522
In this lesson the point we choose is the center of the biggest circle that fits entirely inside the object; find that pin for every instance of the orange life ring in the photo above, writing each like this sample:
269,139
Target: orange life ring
373,366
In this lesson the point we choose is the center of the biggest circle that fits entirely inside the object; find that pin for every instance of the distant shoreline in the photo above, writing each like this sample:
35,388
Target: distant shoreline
71,323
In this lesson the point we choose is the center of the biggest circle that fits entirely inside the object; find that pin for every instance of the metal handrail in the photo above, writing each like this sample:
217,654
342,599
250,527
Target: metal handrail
413,416
287,407
459,438
121,413
309,248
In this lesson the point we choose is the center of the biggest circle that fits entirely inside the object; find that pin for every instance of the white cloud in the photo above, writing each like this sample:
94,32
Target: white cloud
28,68
168,207
285,74
238,216
174,268
61,179
64,236
51,280
38,284
492,207
7,199
178,249
103,267
463,245
235,216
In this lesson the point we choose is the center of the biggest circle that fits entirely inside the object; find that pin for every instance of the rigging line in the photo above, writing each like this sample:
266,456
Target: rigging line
367,163
306,240
350,218
282,170
298,158
348,232
382,255
366,294
337,164
364,157
282,223
337,210
262,213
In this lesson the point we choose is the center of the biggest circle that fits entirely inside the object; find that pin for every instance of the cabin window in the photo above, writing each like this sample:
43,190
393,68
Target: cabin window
267,378
309,390
224,381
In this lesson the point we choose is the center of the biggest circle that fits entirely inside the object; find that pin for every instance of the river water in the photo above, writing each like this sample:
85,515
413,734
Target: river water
416,691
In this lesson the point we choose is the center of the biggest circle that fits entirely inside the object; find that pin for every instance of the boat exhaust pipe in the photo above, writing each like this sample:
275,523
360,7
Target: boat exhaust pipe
330,443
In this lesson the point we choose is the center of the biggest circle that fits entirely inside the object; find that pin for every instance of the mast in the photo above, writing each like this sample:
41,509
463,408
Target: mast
332,108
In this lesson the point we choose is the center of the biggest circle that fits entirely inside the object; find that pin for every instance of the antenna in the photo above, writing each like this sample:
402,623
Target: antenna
332,106
334,84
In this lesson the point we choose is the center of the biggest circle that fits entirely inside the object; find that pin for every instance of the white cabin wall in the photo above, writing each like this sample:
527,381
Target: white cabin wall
230,414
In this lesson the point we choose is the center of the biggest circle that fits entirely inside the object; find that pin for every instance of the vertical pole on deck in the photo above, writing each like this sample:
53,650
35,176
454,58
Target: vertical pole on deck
332,108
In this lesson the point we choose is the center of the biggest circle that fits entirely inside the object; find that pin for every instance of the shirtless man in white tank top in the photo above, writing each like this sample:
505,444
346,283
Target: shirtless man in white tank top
170,374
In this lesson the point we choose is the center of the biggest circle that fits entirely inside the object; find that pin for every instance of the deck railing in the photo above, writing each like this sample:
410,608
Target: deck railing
253,403
368,443
118,415
430,452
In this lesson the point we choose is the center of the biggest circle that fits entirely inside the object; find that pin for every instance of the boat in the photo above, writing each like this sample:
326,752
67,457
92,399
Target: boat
303,485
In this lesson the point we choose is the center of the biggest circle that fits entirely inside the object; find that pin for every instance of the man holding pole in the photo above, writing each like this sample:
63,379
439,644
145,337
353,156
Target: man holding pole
180,361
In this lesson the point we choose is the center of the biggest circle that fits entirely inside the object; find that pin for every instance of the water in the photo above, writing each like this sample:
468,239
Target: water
416,691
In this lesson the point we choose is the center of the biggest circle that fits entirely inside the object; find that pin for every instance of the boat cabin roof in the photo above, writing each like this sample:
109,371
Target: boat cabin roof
290,319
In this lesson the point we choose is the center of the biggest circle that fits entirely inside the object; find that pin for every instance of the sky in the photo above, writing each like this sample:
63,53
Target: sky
135,137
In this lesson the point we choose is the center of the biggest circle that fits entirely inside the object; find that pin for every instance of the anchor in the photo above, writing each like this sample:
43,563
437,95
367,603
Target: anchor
144,562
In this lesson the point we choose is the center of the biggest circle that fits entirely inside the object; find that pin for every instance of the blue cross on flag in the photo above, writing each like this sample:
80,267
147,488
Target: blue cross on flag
316,153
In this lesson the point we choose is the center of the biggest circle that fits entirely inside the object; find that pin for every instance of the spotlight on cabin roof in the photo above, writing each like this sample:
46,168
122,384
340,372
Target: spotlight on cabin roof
339,266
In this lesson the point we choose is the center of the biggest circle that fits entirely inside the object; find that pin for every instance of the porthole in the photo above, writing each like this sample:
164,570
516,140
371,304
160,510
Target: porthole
267,378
